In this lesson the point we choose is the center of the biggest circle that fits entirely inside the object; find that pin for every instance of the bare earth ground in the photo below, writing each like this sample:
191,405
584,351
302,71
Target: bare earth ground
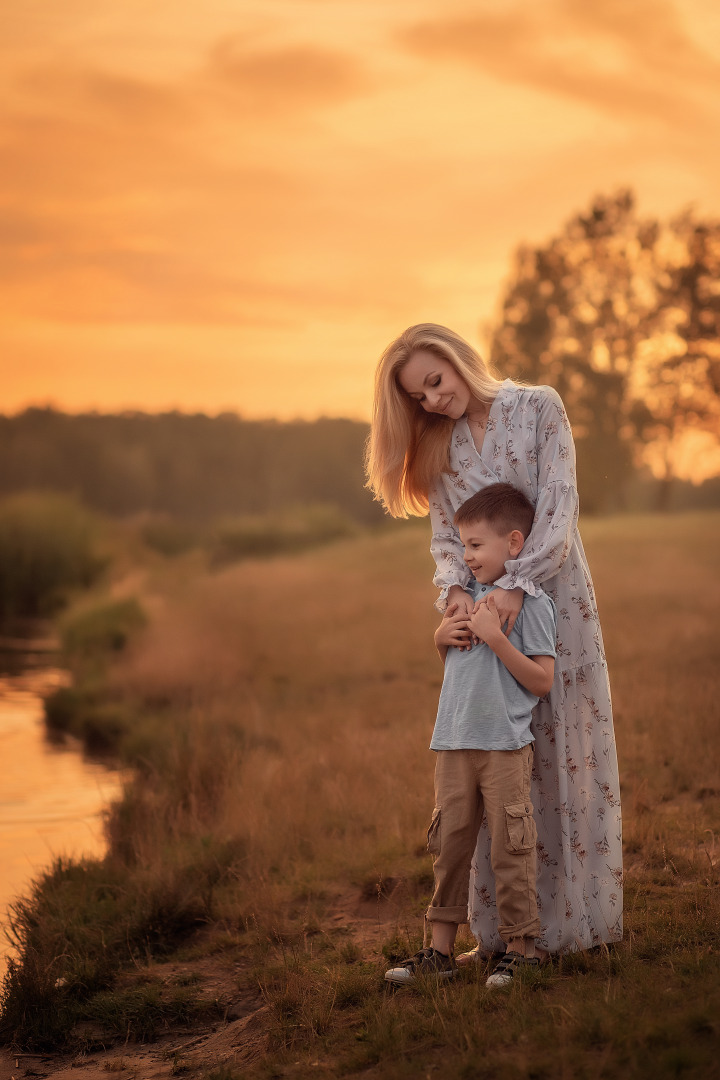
240,1040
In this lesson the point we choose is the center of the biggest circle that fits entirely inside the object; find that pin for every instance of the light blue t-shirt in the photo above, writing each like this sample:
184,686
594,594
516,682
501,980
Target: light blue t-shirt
482,706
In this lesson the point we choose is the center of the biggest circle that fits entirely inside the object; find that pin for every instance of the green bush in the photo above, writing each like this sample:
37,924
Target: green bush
86,709
101,725
48,546
101,630
256,536
168,536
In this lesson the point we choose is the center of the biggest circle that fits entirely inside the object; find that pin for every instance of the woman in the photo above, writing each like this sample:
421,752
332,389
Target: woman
443,428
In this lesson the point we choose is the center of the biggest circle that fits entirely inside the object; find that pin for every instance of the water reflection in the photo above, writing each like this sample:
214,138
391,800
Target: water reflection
51,797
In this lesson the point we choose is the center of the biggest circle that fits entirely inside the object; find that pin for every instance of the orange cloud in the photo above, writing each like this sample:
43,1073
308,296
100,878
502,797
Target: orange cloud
619,58
283,81
118,206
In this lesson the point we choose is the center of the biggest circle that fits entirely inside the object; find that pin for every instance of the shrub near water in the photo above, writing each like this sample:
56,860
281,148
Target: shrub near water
86,709
48,546
100,630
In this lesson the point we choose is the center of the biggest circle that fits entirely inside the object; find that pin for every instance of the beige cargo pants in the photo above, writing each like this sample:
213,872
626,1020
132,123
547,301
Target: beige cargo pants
468,784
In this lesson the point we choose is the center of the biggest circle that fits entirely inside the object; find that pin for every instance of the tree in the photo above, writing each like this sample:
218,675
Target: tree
675,383
621,315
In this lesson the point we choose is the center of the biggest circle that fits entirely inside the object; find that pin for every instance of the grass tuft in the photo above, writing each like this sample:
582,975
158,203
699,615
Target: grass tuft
144,1013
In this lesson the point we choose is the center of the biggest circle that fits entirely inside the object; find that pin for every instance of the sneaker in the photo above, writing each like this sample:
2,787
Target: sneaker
426,962
509,966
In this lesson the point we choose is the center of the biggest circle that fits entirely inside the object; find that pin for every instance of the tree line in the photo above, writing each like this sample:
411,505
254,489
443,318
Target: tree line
190,467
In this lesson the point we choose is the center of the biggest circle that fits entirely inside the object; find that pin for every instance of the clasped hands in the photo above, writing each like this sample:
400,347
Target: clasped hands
466,624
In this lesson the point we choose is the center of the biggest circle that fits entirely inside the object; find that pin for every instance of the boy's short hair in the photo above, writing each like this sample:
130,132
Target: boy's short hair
503,506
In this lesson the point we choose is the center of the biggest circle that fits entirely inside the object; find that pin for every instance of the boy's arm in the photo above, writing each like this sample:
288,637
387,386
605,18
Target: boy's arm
452,631
535,673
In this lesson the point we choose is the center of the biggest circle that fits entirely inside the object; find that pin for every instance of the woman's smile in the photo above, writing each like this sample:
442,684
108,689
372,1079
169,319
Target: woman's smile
434,383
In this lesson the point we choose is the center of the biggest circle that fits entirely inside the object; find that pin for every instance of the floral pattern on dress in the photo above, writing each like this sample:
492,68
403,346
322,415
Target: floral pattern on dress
575,787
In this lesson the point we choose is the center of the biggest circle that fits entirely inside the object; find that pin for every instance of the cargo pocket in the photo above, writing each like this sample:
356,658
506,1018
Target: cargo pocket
520,828
433,833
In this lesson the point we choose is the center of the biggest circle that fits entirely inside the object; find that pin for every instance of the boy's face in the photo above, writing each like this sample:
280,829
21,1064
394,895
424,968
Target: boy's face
486,550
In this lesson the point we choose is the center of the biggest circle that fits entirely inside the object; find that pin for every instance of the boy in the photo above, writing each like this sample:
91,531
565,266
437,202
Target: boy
484,743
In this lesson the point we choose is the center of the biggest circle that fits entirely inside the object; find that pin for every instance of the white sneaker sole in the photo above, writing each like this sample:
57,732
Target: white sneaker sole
498,981
403,977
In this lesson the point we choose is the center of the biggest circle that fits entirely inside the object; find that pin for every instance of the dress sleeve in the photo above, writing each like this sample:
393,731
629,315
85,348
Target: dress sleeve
548,545
446,546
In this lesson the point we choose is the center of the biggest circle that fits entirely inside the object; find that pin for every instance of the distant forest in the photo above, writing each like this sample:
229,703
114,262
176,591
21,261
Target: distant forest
198,468
191,467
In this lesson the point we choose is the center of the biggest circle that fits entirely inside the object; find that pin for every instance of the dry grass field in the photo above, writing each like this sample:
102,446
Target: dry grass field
283,787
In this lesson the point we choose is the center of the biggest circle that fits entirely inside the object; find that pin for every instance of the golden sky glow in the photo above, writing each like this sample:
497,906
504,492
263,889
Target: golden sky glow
235,204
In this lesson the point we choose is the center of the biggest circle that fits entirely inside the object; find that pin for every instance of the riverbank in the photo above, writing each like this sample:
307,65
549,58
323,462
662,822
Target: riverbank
288,700
52,794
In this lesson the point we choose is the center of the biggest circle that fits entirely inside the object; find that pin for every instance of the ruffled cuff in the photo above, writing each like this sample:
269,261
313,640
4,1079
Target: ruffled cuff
442,600
513,580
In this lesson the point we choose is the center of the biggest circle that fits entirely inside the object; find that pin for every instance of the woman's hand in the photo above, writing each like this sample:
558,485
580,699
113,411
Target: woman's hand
463,601
463,604
508,603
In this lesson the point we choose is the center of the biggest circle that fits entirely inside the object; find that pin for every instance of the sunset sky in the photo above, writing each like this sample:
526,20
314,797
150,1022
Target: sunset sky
235,204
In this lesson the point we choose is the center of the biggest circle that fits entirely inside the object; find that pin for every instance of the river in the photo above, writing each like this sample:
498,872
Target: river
51,796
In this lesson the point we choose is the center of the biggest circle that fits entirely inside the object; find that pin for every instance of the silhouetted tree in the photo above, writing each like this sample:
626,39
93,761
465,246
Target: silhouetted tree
676,382
620,314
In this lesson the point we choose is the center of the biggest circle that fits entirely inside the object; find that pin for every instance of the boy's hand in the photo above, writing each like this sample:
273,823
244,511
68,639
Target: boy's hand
508,603
485,620
453,630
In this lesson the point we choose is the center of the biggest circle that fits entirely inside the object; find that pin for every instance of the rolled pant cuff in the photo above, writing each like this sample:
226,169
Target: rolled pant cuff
528,929
447,914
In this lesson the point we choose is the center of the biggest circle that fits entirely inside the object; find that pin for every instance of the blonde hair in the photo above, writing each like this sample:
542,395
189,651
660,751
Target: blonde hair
407,447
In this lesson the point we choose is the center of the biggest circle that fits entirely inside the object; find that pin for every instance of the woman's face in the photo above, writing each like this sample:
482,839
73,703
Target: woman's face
435,383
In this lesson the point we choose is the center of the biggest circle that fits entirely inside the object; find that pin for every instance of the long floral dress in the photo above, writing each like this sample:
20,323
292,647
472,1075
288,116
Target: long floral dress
576,792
